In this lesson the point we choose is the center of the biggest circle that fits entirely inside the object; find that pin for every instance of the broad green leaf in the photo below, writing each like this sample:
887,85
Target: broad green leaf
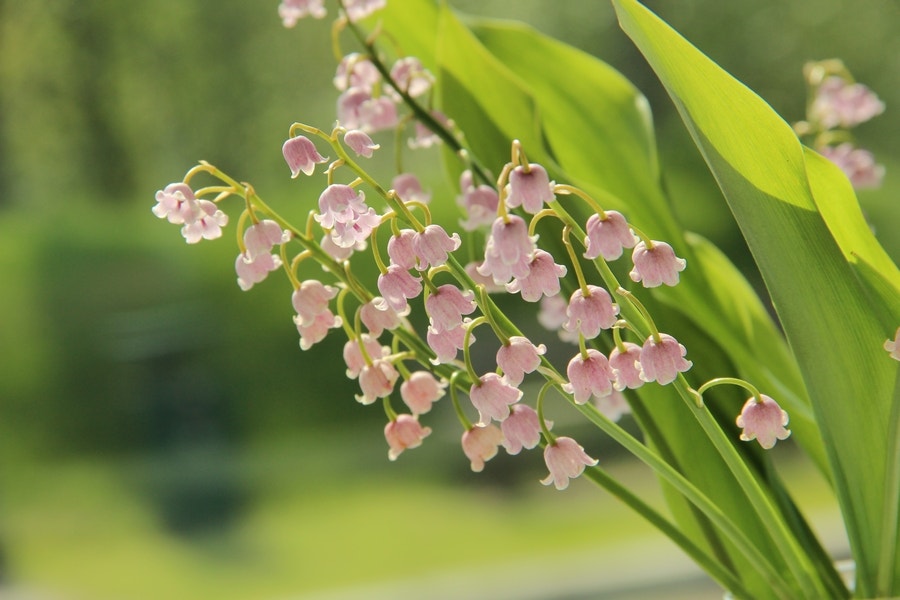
500,106
762,171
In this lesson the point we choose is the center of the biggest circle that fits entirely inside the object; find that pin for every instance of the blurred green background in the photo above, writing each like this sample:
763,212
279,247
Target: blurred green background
161,433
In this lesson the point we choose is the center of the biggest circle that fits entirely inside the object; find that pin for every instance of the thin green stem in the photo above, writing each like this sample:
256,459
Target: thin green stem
742,543
709,564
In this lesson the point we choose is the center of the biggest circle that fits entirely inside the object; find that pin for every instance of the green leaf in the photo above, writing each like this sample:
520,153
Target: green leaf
763,173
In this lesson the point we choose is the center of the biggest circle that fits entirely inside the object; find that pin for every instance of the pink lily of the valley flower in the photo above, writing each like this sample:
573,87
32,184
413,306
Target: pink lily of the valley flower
529,187
764,421
421,390
315,331
663,360
655,265
509,249
521,429
397,286
492,395
447,305
405,432
446,344
301,156
519,357
360,142
589,376
376,380
590,313
542,278
607,236
312,298
433,245
626,366
565,459
480,444
353,356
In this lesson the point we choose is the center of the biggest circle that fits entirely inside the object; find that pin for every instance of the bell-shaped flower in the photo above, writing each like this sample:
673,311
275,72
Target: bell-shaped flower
893,346
509,250
358,109
840,103
336,252
409,188
763,421
378,114
206,223
360,142
565,459
397,286
655,265
404,432
353,356
250,272
590,313
663,360
529,187
410,76
176,203
421,390
360,9
315,331
521,429
857,164
356,71
376,380
480,444
433,245
589,375
492,395
613,406
542,278
483,280
401,250
339,203
353,234
291,11
261,237
606,236
312,298
301,156
626,365
447,305
446,344
377,316
519,357
479,203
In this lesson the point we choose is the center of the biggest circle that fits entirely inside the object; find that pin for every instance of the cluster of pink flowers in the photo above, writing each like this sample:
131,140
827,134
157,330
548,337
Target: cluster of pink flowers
200,219
838,104
501,215
292,11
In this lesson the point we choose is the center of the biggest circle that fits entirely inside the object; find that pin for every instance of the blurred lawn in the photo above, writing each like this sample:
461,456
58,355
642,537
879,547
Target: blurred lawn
161,433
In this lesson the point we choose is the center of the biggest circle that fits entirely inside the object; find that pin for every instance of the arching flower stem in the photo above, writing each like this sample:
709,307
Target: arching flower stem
467,356
466,423
573,257
632,299
545,431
